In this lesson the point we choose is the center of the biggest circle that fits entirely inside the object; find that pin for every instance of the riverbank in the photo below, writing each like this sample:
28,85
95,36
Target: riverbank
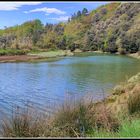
135,55
42,55
46,55
115,116
51,54
35,56
123,104
17,58
123,95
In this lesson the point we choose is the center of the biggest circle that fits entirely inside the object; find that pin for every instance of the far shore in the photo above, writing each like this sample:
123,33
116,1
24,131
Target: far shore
33,57
16,58
46,55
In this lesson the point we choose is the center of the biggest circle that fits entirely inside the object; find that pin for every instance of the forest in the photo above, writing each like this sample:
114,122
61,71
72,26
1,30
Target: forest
113,27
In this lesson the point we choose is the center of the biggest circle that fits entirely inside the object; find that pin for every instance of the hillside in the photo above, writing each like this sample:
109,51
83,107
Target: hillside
114,27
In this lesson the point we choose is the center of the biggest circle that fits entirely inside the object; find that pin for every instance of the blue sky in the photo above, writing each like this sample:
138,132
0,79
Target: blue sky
13,13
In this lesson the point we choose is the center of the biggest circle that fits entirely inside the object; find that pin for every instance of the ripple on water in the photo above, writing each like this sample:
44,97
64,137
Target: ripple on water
46,84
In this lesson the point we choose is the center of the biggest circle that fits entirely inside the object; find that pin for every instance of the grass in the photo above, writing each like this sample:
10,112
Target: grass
81,119
71,120
22,124
52,53
38,52
13,52
127,129
130,129
134,100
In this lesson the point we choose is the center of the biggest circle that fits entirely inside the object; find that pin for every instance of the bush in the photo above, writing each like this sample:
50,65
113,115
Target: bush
134,100
23,123
74,120
128,128
122,50
71,120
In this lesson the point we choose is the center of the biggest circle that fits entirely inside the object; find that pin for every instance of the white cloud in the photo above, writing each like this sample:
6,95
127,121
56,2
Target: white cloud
47,11
8,6
61,18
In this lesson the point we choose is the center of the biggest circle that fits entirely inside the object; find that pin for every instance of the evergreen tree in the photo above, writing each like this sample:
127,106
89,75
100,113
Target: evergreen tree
79,13
73,16
84,11
69,19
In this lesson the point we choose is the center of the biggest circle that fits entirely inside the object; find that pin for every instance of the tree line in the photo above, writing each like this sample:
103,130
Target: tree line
112,28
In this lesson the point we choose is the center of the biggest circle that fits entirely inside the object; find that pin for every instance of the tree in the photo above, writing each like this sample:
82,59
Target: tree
84,11
37,25
49,26
59,29
69,19
79,14
73,16
62,43
36,36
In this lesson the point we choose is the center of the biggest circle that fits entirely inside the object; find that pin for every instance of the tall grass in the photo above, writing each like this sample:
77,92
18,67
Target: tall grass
134,101
71,120
23,123
74,119
127,129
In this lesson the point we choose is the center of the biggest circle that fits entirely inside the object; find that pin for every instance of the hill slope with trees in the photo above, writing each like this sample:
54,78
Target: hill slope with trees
113,27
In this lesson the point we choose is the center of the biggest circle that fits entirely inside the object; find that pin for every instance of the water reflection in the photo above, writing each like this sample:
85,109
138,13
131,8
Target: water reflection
47,83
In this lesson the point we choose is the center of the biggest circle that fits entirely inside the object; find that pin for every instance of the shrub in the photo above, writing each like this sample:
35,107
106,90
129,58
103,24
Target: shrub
71,120
127,129
105,120
74,119
122,50
22,124
118,90
134,100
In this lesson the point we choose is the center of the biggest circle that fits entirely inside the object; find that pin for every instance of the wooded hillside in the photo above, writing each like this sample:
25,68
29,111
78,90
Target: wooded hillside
114,27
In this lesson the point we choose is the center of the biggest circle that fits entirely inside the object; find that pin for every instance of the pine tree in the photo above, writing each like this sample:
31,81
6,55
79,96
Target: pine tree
79,13
84,11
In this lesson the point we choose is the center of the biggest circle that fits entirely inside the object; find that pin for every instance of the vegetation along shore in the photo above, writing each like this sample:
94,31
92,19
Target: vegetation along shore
115,116
112,28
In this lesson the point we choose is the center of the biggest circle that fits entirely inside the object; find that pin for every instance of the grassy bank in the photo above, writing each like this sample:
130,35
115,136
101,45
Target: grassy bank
127,129
4,52
15,55
39,52
54,53
38,55
115,116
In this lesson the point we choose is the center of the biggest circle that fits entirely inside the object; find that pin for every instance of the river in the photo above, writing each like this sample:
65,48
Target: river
44,84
